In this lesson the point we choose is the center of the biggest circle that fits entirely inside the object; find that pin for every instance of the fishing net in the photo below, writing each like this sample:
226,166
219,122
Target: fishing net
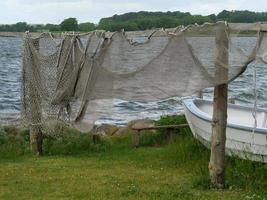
65,78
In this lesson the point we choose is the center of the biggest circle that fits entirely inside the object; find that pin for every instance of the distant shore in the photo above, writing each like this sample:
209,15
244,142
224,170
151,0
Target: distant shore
12,34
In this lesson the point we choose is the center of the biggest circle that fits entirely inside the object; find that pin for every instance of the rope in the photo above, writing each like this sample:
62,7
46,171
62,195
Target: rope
254,112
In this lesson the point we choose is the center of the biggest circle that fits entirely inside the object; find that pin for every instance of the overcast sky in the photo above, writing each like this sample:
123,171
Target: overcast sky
54,11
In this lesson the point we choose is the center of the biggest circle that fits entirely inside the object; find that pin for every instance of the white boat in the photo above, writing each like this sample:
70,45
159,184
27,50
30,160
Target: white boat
241,140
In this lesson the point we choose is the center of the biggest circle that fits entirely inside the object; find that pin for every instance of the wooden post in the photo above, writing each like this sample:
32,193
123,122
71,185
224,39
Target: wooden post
200,94
171,133
36,136
36,140
168,133
96,139
219,121
231,100
136,138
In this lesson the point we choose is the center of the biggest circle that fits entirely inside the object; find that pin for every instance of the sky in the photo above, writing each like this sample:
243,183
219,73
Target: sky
55,11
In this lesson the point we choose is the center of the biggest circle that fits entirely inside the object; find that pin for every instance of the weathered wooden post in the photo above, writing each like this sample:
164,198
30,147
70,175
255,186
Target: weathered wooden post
200,94
36,139
171,133
136,138
219,121
96,138
36,136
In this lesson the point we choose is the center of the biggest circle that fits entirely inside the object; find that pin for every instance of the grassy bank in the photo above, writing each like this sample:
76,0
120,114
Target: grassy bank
75,168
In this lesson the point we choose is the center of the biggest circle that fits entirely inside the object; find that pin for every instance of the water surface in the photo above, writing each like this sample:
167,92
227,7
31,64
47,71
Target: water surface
10,82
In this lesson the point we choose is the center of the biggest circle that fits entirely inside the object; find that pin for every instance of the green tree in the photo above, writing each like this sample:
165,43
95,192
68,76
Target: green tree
224,15
141,21
166,22
145,23
70,24
21,27
213,17
53,27
86,27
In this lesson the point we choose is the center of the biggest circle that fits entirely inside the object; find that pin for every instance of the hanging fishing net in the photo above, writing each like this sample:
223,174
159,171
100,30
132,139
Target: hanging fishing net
65,78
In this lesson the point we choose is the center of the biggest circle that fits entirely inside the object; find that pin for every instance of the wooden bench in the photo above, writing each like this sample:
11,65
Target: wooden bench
169,130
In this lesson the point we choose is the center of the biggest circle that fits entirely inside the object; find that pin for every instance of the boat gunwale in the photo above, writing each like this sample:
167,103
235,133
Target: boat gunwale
204,116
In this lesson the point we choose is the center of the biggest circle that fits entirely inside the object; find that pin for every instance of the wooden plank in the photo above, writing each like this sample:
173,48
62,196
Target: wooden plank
136,134
159,127
219,120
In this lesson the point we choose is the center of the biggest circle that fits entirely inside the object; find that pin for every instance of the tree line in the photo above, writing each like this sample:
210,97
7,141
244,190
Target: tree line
139,21
70,24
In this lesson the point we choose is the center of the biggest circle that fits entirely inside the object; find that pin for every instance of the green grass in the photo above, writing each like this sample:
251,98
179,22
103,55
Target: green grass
75,168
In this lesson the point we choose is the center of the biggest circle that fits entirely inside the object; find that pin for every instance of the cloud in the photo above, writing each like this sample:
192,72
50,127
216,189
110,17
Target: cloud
54,11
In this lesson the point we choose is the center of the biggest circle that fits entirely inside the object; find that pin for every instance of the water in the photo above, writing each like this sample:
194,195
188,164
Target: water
10,78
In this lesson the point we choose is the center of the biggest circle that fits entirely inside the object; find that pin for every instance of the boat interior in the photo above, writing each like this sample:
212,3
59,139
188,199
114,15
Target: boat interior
240,115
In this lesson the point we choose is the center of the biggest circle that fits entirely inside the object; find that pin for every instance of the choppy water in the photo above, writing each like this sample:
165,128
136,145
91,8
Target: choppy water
10,78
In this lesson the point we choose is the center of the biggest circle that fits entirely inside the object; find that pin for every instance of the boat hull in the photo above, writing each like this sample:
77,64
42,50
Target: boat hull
241,141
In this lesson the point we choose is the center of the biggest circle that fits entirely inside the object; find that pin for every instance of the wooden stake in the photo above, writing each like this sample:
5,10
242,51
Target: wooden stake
136,138
219,121
200,94
36,140
36,136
